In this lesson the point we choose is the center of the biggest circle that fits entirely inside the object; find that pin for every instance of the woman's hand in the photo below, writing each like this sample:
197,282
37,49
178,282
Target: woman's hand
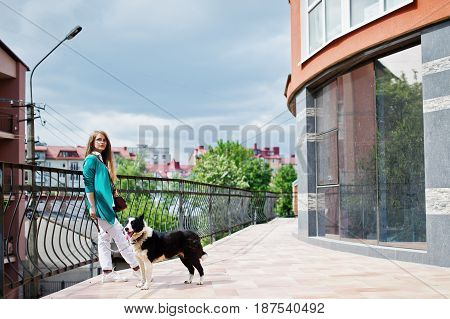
92,213
116,193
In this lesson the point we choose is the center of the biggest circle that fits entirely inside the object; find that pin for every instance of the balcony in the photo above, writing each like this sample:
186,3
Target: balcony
7,126
47,225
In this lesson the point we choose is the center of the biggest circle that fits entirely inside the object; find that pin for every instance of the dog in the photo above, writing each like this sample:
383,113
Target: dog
151,246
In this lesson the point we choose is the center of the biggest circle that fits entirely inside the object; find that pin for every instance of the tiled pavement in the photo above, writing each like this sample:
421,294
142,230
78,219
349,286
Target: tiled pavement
268,261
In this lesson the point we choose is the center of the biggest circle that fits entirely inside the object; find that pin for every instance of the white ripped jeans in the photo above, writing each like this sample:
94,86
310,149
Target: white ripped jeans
108,232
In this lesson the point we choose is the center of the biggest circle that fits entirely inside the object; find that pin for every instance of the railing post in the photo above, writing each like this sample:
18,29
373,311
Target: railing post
229,211
2,248
32,254
243,214
211,220
265,210
181,216
254,207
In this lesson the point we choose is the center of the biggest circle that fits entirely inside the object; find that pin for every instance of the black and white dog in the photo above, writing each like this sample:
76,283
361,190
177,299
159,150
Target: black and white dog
151,246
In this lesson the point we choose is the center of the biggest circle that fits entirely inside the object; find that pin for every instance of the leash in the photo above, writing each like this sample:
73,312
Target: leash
111,250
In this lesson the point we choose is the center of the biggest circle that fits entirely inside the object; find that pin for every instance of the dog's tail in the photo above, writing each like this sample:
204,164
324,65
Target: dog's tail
204,255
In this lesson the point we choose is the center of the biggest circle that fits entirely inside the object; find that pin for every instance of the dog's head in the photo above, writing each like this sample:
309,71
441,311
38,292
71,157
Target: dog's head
135,225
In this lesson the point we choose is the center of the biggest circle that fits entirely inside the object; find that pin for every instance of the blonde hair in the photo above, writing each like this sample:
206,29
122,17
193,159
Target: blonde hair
107,154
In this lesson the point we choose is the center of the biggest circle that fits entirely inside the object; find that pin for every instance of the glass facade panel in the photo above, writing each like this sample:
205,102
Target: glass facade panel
333,18
400,154
357,149
315,20
328,209
326,108
370,155
389,4
363,10
327,159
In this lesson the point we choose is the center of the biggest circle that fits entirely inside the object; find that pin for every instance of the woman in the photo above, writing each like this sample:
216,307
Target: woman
99,173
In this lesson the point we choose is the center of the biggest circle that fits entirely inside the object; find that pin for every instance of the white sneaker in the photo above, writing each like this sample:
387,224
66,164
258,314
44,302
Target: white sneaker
113,277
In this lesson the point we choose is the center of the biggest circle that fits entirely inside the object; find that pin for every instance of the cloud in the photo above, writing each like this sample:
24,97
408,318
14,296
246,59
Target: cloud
207,62
124,127
145,20
261,46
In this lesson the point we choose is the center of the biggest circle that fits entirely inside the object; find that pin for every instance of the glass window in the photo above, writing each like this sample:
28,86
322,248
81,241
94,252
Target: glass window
400,153
333,18
326,108
389,4
357,149
327,159
325,20
328,210
363,10
315,20
370,170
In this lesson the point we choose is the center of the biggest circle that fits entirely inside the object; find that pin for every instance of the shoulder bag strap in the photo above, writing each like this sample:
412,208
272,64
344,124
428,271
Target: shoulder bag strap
113,188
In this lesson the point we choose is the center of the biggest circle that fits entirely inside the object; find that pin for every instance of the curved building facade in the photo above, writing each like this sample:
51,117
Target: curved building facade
370,89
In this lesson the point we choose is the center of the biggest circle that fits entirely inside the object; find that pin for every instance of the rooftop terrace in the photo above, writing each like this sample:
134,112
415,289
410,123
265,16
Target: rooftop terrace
268,261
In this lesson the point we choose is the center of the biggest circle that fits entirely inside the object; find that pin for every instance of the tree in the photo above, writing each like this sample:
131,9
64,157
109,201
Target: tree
400,157
231,164
130,167
146,196
282,183
257,173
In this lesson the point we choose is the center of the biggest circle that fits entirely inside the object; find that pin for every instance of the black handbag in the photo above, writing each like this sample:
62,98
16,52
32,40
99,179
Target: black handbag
119,202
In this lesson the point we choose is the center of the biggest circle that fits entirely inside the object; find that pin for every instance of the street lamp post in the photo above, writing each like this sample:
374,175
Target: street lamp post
30,107
32,235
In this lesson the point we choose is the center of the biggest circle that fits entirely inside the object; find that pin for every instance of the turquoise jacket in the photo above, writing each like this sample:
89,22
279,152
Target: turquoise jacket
96,180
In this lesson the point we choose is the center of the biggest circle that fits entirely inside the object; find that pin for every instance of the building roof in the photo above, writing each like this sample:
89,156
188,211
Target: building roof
173,166
53,152
12,54
122,151
272,154
200,150
268,156
290,160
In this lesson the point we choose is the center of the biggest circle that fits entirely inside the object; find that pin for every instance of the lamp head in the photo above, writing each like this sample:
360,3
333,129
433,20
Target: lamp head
73,32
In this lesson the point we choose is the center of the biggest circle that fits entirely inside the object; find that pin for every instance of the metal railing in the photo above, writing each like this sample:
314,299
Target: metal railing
47,231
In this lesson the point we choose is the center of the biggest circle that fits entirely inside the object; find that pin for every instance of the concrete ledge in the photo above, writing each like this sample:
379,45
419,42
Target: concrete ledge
389,253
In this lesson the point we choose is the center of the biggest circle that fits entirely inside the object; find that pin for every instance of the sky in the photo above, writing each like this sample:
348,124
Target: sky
171,74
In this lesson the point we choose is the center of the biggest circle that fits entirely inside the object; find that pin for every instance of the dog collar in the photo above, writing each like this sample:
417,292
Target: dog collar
134,241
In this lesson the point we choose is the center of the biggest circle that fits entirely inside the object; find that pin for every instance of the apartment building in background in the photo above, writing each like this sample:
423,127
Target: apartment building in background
273,157
196,154
152,155
68,157
173,169
270,156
